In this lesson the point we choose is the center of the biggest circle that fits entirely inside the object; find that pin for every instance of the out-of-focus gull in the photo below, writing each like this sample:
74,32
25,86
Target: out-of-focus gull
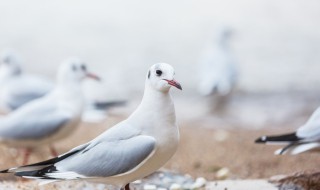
50,118
130,150
16,87
218,72
306,138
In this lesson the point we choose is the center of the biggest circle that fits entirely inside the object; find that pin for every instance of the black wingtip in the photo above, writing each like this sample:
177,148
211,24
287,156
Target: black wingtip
4,171
291,137
40,174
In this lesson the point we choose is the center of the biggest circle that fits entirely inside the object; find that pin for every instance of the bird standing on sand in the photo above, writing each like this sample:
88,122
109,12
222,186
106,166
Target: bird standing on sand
16,87
306,138
130,150
50,118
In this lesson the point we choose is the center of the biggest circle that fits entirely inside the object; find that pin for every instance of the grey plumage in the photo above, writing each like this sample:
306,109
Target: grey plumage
39,122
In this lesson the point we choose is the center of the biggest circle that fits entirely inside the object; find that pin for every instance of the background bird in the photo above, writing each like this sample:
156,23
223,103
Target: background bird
17,88
306,138
218,73
51,117
130,150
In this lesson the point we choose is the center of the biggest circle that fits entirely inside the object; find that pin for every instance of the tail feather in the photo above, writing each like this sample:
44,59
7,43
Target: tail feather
285,149
286,138
42,166
37,174
298,148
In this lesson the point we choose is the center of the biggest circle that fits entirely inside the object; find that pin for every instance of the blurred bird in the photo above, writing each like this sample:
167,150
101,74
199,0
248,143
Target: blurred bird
306,138
218,73
16,87
51,117
130,150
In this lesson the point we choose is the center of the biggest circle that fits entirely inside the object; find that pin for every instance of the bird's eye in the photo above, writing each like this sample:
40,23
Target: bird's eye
83,67
159,72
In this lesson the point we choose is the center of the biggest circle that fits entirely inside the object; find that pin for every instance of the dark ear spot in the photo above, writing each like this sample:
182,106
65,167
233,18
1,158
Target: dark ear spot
148,74
83,67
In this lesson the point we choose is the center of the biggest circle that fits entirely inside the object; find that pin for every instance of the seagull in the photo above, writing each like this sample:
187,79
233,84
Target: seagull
17,87
130,150
50,118
218,73
306,138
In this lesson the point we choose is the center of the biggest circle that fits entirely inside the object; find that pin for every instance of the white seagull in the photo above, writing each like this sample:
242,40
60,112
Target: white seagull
306,138
130,150
16,87
218,73
50,118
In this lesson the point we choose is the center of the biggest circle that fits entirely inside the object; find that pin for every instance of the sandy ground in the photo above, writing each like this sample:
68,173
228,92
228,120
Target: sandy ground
202,153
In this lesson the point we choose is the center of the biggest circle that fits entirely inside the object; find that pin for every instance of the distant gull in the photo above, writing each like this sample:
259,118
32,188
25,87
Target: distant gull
130,150
306,138
218,73
50,118
16,87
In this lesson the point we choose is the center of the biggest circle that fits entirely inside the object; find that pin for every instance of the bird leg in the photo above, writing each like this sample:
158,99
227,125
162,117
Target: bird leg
53,151
127,187
26,155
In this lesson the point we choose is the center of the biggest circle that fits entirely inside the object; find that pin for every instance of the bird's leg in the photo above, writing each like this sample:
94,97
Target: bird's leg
127,187
53,151
26,155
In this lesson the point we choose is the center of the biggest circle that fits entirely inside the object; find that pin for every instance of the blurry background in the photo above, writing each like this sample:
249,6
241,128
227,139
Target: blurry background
276,45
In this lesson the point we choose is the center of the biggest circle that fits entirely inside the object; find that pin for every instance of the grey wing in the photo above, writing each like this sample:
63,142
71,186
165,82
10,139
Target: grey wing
26,89
18,100
107,158
33,124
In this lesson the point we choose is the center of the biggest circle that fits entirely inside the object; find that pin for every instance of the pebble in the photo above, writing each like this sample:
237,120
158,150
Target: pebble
149,187
175,186
200,182
223,173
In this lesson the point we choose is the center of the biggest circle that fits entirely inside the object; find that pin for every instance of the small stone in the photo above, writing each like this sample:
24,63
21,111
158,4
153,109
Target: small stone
200,182
223,173
149,187
221,135
175,186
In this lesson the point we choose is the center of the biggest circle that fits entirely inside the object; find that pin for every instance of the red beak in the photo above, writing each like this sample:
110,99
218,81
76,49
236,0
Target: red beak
174,83
93,76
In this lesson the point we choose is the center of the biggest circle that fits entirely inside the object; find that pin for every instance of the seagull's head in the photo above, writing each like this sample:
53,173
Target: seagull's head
161,77
74,70
10,63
